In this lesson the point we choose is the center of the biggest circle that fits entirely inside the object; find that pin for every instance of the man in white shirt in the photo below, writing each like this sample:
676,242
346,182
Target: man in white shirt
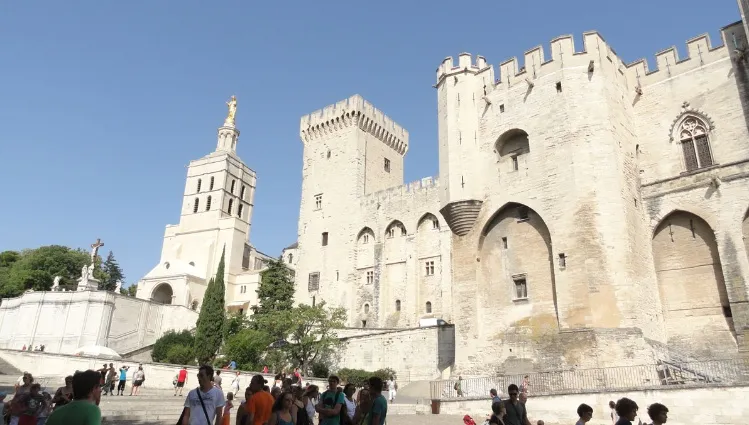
204,405
391,389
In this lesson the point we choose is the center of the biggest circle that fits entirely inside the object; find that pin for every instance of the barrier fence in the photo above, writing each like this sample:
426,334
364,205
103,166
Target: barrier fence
660,375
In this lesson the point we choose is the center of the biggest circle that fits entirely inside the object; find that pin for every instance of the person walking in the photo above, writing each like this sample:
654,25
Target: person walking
235,383
260,405
379,410
204,405
181,381
84,409
109,380
516,413
281,412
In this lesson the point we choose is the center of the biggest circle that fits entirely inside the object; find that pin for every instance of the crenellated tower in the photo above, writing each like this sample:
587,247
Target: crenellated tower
350,149
462,99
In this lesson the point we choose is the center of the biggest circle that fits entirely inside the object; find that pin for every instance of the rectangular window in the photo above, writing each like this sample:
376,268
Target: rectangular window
521,287
324,238
515,166
504,243
690,156
313,282
703,151
370,277
502,107
562,260
429,268
387,165
318,201
559,86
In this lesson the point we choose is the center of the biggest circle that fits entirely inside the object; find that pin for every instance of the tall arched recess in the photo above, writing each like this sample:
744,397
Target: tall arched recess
162,293
515,256
695,303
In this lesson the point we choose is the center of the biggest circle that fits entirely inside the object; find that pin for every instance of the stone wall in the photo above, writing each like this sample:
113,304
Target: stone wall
709,405
65,321
52,369
415,354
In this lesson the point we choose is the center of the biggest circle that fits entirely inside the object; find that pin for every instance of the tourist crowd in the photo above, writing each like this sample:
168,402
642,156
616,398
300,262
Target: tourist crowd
513,410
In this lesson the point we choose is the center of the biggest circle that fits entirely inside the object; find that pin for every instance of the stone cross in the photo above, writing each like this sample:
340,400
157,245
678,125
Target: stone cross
95,249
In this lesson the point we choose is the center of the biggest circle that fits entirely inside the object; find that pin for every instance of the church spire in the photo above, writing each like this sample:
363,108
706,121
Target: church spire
228,135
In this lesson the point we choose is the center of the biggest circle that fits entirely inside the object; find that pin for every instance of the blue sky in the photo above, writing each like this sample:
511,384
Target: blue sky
104,103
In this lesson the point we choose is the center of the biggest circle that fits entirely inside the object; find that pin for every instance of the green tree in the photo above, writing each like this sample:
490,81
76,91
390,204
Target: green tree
130,290
311,333
235,323
112,273
162,345
210,327
180,354
37,268
247,347
276,289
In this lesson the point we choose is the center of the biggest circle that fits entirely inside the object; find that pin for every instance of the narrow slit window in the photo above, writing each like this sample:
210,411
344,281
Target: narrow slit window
324,238
200,183
231,203
196,205
208,204
429,307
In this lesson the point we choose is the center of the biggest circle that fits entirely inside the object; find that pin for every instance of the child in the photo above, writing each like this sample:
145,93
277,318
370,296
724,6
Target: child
46,409
585,413
227,408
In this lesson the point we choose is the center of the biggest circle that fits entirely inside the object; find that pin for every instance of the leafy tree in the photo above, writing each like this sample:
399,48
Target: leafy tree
111,272
210,327
276,289
311,333
247,347
235,323
180,354
37,268
170,339
130,290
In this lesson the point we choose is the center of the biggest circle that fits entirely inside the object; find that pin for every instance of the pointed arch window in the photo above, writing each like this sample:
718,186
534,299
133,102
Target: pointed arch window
695,144
239,210
241,192
231,202
210,187
208,204
200,183
197,204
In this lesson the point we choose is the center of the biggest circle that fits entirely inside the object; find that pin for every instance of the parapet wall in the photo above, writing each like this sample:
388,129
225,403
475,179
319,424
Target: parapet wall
402,192
596,55
354,111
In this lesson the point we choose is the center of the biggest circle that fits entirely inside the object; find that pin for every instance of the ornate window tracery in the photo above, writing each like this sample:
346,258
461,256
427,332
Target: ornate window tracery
695,143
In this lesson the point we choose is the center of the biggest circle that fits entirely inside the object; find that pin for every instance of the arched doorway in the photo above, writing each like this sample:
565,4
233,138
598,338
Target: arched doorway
162,293
516,264
695,303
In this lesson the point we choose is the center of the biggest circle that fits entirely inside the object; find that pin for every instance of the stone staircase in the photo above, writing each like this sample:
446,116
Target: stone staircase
8,369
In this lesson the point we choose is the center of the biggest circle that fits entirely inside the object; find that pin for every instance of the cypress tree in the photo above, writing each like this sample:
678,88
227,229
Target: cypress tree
210,327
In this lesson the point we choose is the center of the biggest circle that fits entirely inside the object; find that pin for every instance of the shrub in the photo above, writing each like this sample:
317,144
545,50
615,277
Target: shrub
180,354
320,370
170,338
359,376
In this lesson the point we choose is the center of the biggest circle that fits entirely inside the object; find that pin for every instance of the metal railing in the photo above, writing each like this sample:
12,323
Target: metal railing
664,373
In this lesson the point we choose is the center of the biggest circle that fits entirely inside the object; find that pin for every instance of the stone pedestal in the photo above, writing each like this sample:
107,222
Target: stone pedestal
88,283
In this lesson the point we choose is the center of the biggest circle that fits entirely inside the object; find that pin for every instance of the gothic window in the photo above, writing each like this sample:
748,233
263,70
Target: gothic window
210,187
365,238
695,144
370,277
397,305
208,204
197,204
231,202
429,307
313,282
429,268
391,233
396,227
200,182
435,224
318,201
239,210
233,183
241,192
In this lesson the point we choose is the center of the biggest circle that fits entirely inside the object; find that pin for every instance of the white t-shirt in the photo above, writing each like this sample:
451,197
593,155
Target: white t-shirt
212,399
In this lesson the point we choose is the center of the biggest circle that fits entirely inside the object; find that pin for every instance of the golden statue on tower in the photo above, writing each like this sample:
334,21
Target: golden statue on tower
232,104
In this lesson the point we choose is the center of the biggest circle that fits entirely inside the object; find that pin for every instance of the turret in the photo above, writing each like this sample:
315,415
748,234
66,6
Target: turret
461,93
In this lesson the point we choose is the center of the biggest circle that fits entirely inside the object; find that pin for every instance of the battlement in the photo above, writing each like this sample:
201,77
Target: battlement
465,64
700,51
596,56
354,111
407,190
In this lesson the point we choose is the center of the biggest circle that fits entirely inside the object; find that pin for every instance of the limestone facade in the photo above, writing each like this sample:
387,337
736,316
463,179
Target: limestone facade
216,216
587,212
